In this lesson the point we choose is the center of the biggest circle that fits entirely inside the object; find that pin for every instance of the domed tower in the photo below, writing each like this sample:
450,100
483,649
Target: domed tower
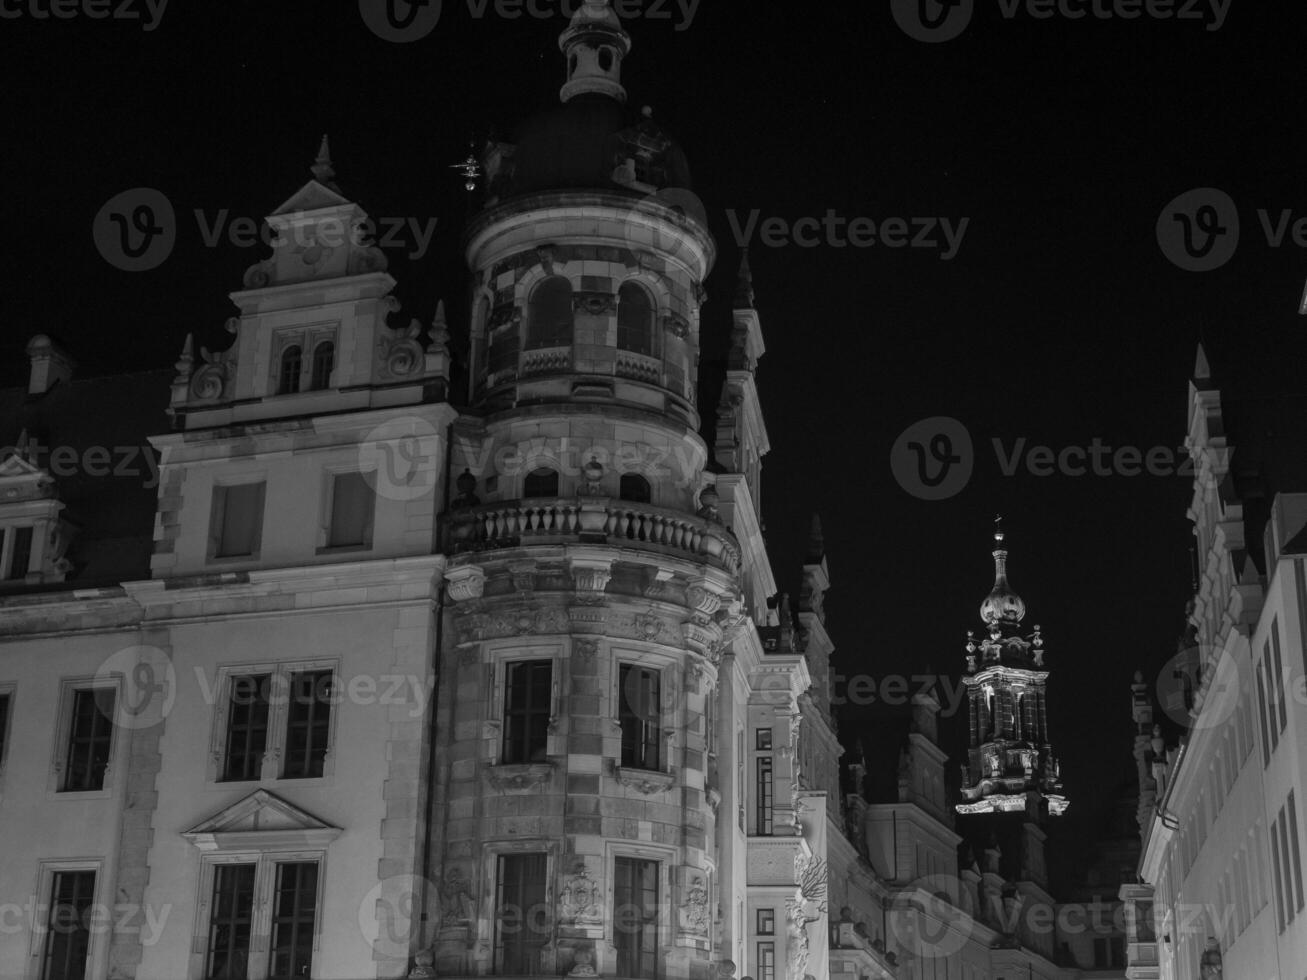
589,576
1011,767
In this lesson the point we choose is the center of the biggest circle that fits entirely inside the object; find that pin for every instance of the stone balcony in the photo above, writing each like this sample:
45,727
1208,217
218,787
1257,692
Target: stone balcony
592,520
854,954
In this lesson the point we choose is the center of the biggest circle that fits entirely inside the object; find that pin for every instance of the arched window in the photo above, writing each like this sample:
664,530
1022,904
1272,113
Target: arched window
635,319
292,359
541,483
324,359
549,314
606,59
635,488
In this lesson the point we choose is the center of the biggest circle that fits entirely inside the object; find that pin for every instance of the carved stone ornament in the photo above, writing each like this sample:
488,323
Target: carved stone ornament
465,583
595,304
584,651
580,901
401,356
694,910
208,383
677,325
648,626
519,779
644,781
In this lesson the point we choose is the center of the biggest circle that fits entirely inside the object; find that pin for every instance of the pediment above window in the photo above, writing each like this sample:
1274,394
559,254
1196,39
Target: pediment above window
21,480
262,821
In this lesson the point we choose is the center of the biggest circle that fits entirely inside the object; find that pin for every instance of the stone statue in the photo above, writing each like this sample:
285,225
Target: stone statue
455,899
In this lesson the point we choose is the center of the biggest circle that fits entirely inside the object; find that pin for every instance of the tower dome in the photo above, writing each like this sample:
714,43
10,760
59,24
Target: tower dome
1002,605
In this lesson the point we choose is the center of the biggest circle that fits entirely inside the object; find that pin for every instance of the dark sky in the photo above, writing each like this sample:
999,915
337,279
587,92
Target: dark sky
1059,320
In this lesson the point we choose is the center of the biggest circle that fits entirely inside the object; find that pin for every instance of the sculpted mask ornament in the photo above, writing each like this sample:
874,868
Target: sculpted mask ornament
579,901
694,913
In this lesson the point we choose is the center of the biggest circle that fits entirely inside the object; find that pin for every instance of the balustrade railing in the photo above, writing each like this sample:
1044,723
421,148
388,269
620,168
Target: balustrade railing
595,519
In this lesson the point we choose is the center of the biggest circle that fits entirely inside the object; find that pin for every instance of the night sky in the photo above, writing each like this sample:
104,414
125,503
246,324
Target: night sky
1059,320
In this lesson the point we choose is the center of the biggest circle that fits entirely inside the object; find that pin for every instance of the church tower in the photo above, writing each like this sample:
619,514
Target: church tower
1011,768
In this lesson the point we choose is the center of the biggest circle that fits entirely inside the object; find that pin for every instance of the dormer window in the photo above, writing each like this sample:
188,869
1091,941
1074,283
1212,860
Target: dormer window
324,360
292,363
635,319
549,314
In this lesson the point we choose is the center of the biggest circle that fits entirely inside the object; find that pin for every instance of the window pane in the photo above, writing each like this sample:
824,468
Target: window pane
242,519
635,917
766,961
549,314
521,918
294,910
635,320
228,955
352,505
4,725
22,554
324,359
247,727
288,381
764,816
541,483
527,708
635,488
90,737
640,715
308,724
68,934
766,922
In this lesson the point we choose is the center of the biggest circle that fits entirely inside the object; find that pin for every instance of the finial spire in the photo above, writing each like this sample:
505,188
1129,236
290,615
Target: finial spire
322,169
1002,603
744,298
595,44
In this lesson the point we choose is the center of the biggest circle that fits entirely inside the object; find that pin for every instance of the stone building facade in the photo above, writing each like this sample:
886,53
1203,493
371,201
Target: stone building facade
1221,874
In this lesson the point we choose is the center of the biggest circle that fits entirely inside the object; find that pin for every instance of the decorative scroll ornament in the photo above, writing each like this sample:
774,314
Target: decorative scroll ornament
401,355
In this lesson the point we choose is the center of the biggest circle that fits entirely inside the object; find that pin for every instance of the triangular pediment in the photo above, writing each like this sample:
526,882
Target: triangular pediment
15,467
313,196
261,820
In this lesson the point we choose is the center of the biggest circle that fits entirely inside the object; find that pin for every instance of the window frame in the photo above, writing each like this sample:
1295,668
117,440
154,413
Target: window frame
621,332
496,859
68,687
327,512
218,519
549,710
273,767
659,674
308,338
47,869
314,357
265,860
495,664
664,861
8,692
670,698
532,339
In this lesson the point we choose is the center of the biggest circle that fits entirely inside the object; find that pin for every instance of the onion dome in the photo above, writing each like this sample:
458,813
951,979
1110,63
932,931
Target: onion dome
1002,605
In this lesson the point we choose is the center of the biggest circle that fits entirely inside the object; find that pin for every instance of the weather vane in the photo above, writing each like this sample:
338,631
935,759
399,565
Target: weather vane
470,169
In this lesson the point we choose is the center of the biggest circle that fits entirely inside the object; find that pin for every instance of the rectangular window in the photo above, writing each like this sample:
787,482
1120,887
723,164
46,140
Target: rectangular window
353,504
1263,706
4,726
21,555
231,921
237,522
520,930
308,723
1295,850
640,714
764,815
635,917
294,911
766,961
762,739
528,707
1277,872
766,922
90,739
247,727
1279,715
1102,957
68,928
